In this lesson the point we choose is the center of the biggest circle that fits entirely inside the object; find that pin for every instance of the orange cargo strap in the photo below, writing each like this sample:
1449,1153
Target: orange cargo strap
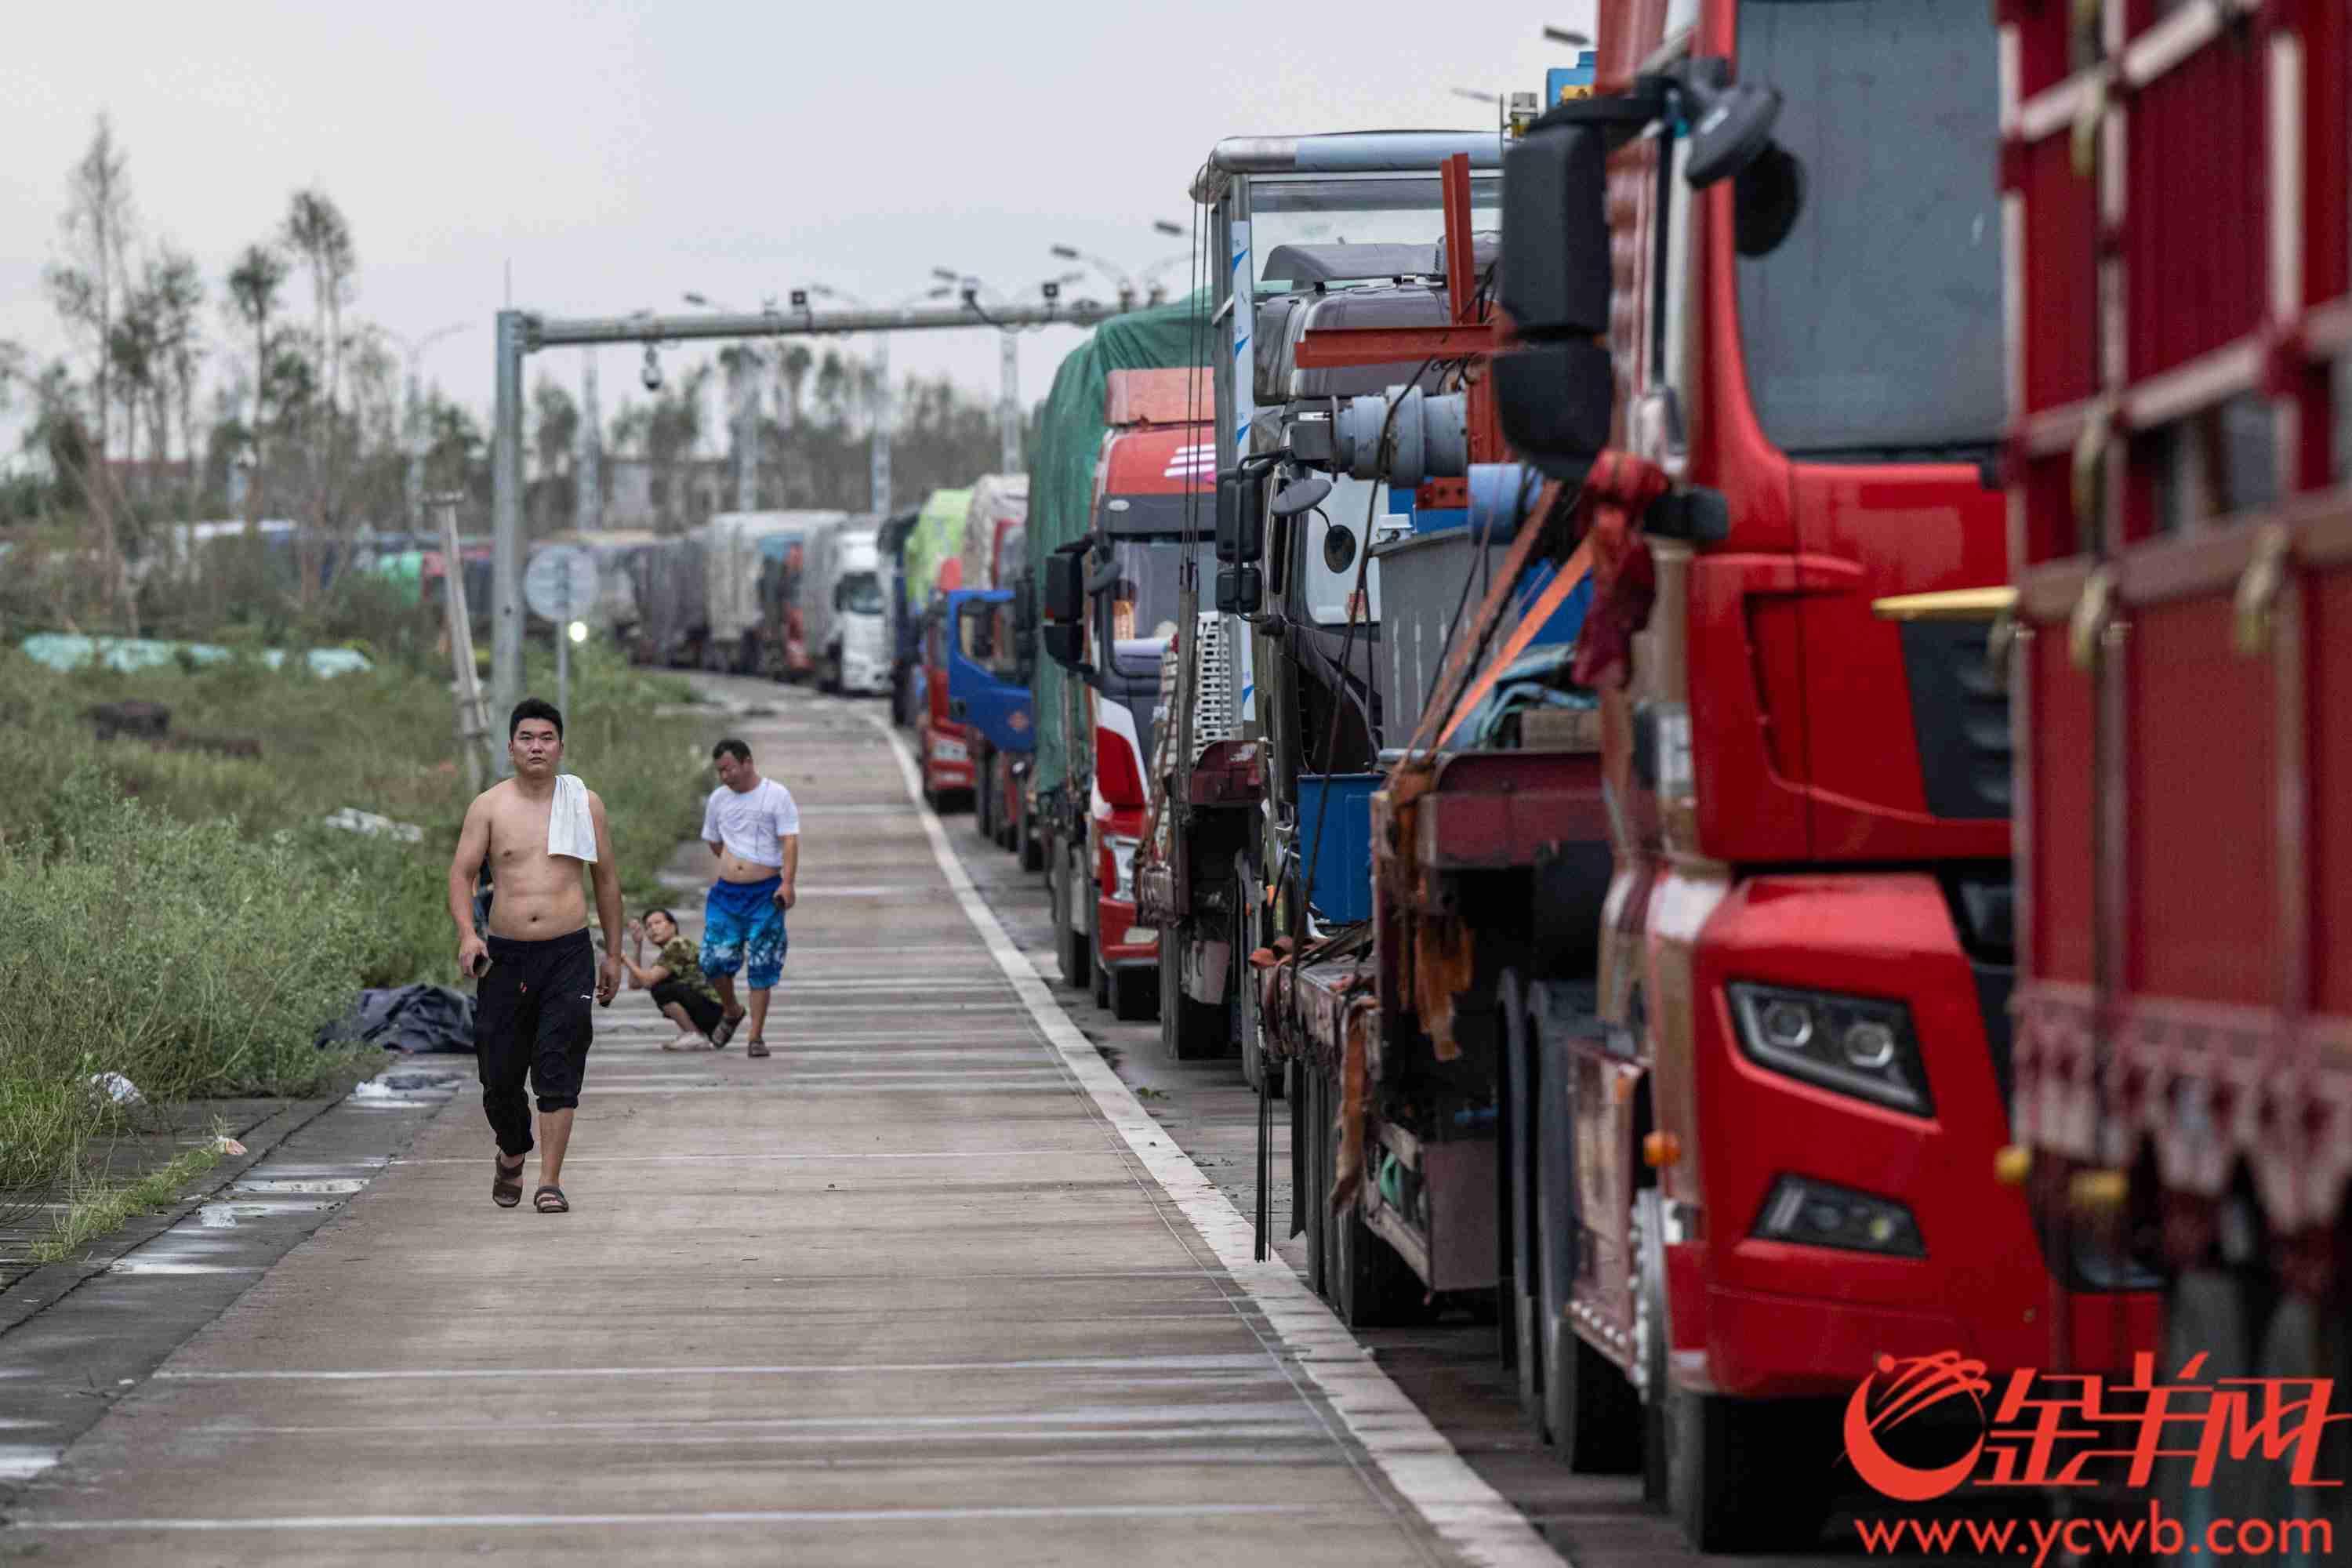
1577,568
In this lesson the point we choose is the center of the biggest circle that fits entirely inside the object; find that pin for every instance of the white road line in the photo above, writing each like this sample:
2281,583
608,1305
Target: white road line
1286,1413
780,1369
747,1516
1469,1514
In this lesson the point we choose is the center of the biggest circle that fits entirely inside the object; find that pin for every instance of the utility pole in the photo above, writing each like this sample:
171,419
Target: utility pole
883,416
740,385
506,517
589,503
1008,417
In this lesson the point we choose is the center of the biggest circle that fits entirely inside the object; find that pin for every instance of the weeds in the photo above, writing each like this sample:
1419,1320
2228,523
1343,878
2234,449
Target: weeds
97,1206
187,919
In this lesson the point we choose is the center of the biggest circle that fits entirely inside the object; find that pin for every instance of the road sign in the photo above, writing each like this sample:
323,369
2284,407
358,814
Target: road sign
561,584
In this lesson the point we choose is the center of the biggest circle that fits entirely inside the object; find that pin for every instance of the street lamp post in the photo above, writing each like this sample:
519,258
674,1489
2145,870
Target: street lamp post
1118,276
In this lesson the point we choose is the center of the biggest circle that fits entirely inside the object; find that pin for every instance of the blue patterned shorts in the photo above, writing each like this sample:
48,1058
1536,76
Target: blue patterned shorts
743,928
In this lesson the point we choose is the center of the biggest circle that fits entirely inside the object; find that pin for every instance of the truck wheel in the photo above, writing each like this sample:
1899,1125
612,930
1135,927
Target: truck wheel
1069,947
1522,1304
1099,973
2307,1342
1134,995
1242,991
1189,1031
2205,1314
1032,849
1310,1172
1750,1474
1374,1289
1650,1340
1590,1406
983,800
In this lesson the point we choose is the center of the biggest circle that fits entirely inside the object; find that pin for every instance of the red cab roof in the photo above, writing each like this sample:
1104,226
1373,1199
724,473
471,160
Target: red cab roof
1160,462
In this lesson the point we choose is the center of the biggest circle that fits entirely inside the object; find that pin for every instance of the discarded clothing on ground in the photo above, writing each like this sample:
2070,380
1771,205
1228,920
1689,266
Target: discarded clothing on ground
407,1018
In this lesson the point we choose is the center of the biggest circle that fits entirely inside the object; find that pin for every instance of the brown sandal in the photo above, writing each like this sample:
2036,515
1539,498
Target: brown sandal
551,1200
505,1185
726,1030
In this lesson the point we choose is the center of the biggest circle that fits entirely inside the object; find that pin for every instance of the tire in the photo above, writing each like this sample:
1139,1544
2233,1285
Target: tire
1521,1298
1750,1474
2205,1313
1189,1031
1594,1416
1262,1076
1372,1287
2306,1341
983,800
1069,947
1650,1340
1310,1174
1133,994
1101,973
1033,847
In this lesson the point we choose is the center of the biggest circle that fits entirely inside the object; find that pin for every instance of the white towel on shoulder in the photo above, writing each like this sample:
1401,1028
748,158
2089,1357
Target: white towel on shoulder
570,829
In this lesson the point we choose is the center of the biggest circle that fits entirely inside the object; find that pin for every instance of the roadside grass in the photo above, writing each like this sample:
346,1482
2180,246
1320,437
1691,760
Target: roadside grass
187,918
97,1205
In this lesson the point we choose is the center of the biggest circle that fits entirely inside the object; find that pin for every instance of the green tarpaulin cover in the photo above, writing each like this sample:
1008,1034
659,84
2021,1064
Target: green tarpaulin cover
1062,467
65,651
938,536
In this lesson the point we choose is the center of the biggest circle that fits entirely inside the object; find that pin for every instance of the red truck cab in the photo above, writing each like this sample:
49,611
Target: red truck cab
1782,1128
945,743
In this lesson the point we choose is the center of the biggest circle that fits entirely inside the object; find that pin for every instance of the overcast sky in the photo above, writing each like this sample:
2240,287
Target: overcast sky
616,156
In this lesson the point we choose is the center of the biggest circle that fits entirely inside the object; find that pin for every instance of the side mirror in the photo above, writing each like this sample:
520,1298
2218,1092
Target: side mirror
1240,590
1065,643
1065,583
1556,400
1555,262
1241,515
1731,123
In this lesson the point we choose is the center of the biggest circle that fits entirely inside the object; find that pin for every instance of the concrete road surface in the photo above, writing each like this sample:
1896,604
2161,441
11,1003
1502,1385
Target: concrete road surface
926,1286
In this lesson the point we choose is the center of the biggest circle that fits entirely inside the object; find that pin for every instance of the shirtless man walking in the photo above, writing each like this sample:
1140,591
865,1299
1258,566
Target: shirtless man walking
754,832
531,1011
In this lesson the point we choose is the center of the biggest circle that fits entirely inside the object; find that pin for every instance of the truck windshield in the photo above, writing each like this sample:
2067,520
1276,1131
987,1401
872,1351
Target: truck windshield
860,593
1873,331
1143,604
1374,209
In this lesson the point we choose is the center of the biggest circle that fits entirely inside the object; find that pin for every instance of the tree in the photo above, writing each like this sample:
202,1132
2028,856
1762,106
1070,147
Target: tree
555,433
794,365
85,289
315,232
253,286
318,234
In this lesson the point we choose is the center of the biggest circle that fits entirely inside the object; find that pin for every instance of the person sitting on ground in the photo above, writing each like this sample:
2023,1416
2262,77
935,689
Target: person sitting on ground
679,988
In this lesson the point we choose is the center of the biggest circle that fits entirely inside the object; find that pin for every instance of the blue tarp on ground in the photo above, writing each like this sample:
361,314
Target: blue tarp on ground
64,651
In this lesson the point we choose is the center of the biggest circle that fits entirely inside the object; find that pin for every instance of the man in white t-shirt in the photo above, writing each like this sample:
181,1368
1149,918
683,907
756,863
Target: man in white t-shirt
754,831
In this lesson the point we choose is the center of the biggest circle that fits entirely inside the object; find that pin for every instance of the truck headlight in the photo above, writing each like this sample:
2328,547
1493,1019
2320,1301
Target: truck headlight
1122,861
946,750
1854,1045
1820,1214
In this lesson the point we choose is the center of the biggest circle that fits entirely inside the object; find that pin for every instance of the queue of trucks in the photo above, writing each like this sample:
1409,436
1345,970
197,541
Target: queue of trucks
1725,691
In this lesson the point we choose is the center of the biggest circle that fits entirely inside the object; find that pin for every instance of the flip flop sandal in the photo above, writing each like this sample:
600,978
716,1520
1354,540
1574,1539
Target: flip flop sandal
756,1048
551,1200
505,1185
726,1030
